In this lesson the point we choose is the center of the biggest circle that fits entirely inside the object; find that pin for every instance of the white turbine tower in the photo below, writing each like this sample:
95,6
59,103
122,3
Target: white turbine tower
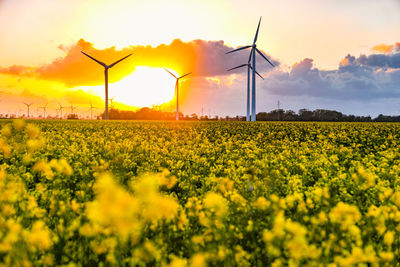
248,87
253,56
106,67
177,91
28,105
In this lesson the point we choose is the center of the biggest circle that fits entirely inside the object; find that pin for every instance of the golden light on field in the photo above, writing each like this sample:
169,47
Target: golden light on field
145,87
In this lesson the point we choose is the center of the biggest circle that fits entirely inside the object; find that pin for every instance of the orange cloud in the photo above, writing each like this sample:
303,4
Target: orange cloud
384,48
18,70
203,58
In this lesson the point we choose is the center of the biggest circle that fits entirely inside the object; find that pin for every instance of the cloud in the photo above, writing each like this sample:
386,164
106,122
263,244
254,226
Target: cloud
384,48
366,77
19,70
203,58
362,79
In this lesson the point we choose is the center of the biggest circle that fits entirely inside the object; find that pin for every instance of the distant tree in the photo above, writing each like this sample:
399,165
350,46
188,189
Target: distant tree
290,115
72,116
305,115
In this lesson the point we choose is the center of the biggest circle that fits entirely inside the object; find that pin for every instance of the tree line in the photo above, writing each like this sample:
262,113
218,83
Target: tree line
274,115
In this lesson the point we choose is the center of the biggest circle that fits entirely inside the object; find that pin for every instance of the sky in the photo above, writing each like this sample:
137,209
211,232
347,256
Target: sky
331,54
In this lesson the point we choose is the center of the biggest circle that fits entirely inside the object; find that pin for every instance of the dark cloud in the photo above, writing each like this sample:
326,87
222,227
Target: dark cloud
380,60
356,78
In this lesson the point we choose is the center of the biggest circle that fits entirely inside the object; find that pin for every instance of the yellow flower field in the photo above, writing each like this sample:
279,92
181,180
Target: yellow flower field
91,193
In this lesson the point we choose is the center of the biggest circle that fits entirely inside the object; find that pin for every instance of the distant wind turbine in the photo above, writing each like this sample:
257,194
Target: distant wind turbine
111,102
44,110
60,109
72,109
28,105
248,87
253,56
106,67
177,91
91,111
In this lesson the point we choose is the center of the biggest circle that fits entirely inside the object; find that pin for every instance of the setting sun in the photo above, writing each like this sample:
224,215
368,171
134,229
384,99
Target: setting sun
143,88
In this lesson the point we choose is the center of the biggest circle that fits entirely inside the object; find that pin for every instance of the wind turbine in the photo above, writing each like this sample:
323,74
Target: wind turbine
253,56
60,108
28,105
91,111
111,102
248,87
44,110
72,109
177,91
106,67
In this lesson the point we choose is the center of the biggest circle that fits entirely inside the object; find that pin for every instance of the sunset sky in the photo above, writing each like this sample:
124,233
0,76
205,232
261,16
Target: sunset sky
332,54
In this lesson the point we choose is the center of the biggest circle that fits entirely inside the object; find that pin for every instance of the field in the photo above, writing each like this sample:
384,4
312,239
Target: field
199,193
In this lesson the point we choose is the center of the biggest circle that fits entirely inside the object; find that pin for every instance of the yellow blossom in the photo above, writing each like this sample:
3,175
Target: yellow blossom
216,203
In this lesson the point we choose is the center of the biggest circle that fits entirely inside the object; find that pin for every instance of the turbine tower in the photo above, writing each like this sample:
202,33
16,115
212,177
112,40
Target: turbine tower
111,102
252,56
72,109
248,87
61,108
28,105
106,67
91,111
177,91
44,111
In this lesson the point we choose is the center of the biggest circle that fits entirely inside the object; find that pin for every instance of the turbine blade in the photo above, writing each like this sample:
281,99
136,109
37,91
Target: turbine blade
171,73
184,75
251,54
241,48
113,64
261,54
258,28
256,72
101,63
259,75
238,67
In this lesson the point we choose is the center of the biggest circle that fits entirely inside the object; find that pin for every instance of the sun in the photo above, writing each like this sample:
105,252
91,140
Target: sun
145,87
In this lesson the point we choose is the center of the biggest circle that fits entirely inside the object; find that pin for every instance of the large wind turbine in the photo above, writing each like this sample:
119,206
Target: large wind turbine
106,67
28,105
253,56
177,91
248,87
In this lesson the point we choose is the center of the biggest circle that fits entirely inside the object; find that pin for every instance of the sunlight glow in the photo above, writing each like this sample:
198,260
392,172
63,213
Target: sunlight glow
145,87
